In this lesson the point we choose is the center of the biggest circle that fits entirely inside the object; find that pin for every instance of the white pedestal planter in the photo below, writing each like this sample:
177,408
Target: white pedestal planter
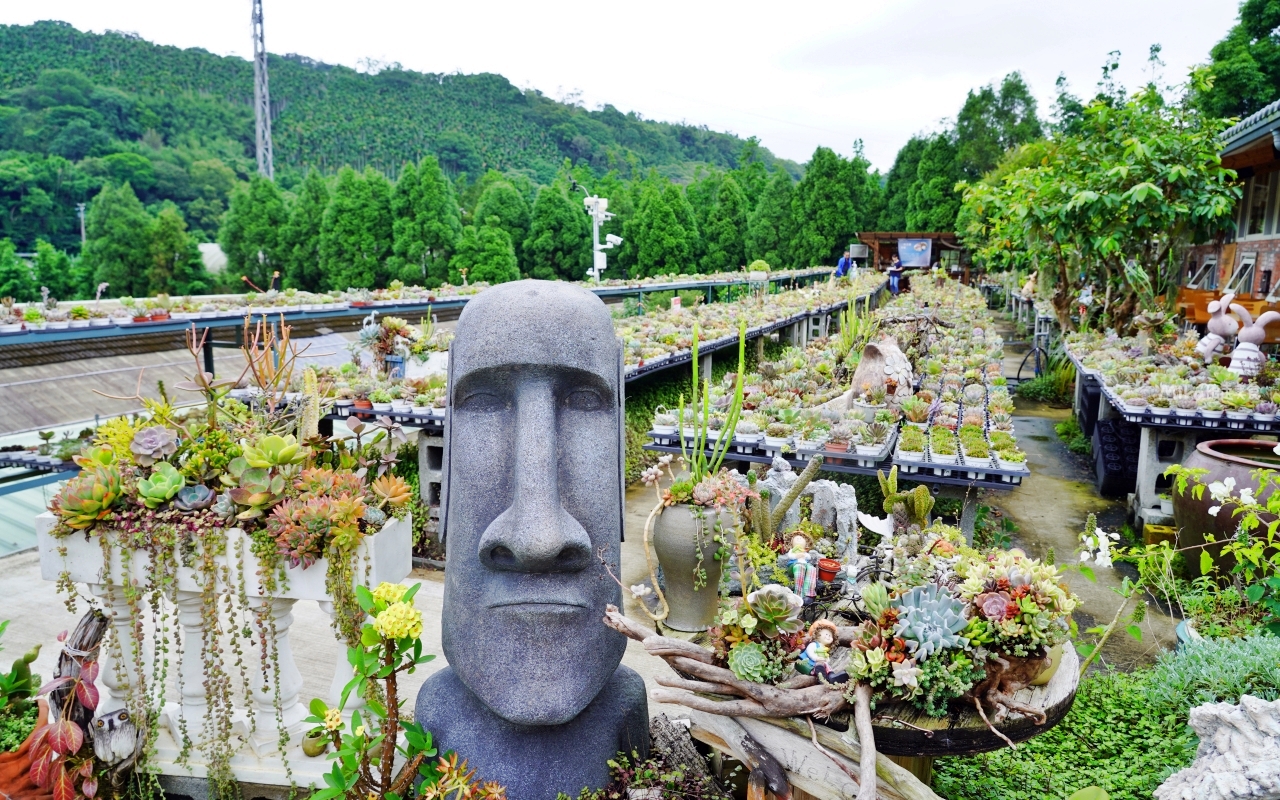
384,556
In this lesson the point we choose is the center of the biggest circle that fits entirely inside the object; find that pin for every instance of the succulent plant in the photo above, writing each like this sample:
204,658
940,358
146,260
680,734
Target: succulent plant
374,515
254,489
777,610
194,498
391,489
100,456
88,497
875,599
225,507
974,394
164,482
930,620
299,528
274,451
153,444
749,662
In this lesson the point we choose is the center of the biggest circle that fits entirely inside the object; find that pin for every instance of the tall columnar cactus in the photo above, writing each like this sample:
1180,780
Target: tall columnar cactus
917,503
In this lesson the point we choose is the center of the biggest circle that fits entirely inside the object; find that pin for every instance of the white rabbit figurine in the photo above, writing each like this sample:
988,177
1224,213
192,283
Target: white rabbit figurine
1247,359
1221,327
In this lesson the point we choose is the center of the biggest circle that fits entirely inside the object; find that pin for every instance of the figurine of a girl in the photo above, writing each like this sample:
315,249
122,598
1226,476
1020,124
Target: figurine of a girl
815,659
802,564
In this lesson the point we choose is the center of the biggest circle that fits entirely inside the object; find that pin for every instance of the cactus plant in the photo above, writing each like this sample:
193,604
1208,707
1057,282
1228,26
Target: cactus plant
88,497
930,620
164,482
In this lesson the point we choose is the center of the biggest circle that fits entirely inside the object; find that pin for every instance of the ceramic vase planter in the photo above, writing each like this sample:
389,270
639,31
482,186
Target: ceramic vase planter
679,538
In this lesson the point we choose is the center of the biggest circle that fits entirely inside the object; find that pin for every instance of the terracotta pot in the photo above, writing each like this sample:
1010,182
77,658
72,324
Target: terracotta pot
159,316
1223,458
142,319
677,538
15,782
363,405
827,569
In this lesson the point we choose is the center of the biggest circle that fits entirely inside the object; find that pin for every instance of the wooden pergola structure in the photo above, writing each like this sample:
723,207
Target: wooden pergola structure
882,246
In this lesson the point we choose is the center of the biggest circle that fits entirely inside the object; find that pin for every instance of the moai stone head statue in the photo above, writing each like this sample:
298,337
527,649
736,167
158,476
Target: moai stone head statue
532,507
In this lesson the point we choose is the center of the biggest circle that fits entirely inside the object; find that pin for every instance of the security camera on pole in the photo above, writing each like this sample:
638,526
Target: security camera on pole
598,210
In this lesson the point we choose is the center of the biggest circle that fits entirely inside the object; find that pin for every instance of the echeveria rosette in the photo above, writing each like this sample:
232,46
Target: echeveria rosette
749,662
930,620
160,487
153,444
88,497
191,499
776,609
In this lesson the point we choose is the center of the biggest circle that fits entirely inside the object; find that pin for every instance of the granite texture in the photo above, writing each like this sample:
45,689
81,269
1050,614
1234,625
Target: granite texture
532,513
535,762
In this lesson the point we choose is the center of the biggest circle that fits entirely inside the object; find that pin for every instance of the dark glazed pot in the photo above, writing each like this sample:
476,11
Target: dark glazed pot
1223,458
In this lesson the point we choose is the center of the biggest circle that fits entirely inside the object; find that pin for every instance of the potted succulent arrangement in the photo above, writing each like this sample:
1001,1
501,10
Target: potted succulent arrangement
941,625
694,522
33,319
79,316
942,445
236,512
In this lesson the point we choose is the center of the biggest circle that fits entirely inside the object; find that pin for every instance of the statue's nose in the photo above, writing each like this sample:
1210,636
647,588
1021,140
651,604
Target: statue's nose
535,533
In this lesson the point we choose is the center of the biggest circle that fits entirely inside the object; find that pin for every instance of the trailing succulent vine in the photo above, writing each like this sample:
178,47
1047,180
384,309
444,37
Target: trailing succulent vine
200,513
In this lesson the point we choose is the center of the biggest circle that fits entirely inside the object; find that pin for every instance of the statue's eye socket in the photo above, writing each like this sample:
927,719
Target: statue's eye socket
100,723
584,400
483,402
124,715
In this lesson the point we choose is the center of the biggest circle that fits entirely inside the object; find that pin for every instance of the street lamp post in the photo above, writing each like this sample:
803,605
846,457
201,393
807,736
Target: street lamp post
598,209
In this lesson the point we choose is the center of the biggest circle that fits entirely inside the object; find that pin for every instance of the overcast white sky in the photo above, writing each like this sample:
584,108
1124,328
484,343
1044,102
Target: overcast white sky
797,74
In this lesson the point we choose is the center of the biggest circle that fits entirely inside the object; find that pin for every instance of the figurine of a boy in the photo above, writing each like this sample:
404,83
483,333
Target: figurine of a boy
815,659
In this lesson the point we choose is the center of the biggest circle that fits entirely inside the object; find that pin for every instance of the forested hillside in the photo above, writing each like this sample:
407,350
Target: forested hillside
329,116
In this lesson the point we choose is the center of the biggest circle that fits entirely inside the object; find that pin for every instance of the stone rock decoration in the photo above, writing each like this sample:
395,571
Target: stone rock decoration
535,696
1238,757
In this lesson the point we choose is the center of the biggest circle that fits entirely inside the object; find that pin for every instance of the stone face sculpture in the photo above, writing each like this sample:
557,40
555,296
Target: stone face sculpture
1238,757
534,695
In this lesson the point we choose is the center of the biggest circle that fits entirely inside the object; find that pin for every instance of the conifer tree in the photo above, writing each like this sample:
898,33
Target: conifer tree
822,207
687,230
16,280
726,229
656,236
486,252
559,242
932,202
118,241
355,238
406,239
300,238
53,269
250,234
439,223
505,203
769,229
898,183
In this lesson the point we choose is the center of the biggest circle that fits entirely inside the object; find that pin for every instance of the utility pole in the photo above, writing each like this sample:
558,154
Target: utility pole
261,97
80,210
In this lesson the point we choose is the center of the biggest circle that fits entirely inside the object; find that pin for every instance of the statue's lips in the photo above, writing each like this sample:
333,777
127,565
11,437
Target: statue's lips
539,605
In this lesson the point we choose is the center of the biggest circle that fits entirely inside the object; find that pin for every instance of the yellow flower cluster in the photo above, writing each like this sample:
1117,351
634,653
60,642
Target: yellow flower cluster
389,592
399,621
332,719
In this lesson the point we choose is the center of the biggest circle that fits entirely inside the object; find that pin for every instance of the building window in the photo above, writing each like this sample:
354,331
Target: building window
1206,277
1259,193
1241,282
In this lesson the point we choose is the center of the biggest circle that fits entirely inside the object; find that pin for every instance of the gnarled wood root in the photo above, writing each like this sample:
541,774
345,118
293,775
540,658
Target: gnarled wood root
1006,676
801,696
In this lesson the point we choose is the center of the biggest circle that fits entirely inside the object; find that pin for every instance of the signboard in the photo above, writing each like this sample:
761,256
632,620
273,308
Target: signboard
915,252
858,251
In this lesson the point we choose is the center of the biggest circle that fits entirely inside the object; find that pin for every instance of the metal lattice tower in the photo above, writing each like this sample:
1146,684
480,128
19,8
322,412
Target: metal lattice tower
261,97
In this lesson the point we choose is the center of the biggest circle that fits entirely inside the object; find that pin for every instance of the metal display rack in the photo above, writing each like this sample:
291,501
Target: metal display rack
69,343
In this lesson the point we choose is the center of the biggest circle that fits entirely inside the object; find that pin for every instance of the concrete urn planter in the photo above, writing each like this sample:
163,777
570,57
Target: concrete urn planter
678,536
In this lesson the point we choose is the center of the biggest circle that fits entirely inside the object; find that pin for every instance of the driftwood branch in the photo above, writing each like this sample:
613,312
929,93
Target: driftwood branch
867,741
766,773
